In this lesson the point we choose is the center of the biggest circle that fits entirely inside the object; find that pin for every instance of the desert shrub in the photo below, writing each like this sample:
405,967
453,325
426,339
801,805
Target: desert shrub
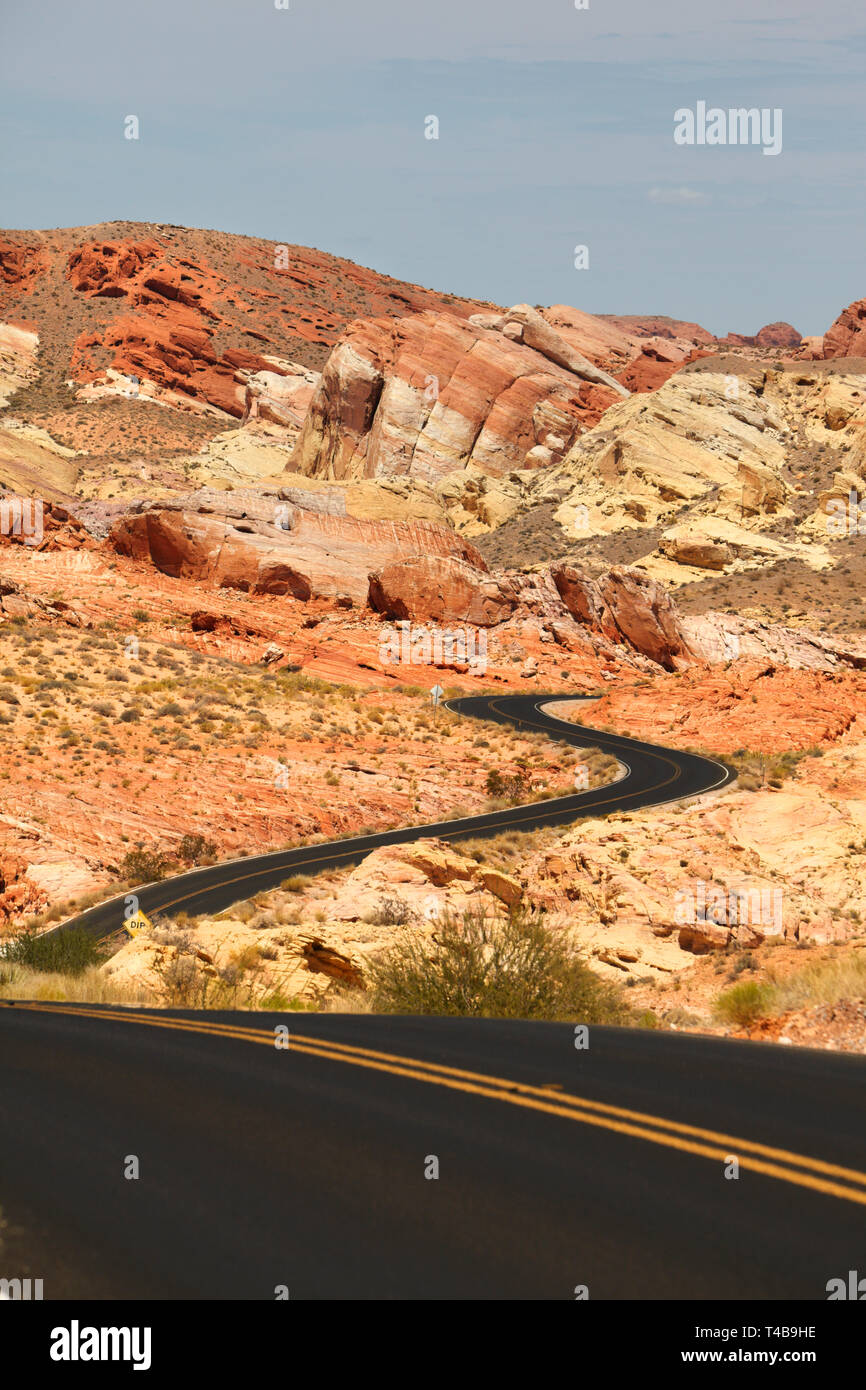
510,786
68,952
743,1004
296,883
477,966
194,847
142,865
391,912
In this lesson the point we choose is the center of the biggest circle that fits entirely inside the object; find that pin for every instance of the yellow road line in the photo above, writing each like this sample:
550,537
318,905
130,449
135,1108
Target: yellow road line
686,1138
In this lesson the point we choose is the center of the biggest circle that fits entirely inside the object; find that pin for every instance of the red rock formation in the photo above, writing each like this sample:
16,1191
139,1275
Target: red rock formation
781,335
847,336
660,326
40,526
772,335
106,269
269,547
625,605
441,589
168,336
20,266
178,355
653,367
18,894
430,394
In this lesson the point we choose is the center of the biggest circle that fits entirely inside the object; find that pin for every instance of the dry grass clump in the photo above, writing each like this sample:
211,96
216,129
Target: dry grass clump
827,981
90,986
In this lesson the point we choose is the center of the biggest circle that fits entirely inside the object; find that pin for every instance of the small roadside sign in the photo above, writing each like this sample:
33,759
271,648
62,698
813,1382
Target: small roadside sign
138,922
436,695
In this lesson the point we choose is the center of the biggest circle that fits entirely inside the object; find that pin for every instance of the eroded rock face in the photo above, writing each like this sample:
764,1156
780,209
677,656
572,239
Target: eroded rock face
20,266
441,588
261,544
847,336
18,349
430,394
537,333
690,335
702,435
18,893
280,397
625,606
178,354
654,366
102,269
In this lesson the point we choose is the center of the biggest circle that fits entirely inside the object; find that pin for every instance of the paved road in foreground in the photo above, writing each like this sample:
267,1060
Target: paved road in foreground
305,1167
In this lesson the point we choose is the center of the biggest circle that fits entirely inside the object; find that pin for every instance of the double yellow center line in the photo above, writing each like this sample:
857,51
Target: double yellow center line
829,1178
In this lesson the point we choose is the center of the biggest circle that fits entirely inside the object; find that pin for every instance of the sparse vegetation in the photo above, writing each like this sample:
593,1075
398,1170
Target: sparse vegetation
67,952
481,967
142,865
824,981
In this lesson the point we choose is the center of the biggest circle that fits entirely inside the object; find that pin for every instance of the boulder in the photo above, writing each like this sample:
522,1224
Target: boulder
441,589
699,551
625,605
777,335
262,545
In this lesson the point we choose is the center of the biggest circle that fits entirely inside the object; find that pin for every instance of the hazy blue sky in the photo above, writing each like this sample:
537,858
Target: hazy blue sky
556,128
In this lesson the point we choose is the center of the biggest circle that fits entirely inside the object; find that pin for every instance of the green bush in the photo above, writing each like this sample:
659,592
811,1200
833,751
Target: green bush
144,865
68,952
743,1004
480,967
509,786
195,847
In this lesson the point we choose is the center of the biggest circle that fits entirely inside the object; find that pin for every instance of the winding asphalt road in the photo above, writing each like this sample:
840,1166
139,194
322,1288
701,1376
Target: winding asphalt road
385,1157
655,775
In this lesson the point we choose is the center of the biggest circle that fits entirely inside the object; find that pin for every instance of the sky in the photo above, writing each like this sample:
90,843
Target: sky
306,125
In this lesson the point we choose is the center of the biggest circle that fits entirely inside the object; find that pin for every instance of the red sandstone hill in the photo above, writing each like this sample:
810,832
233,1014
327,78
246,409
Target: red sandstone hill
186,308
196,314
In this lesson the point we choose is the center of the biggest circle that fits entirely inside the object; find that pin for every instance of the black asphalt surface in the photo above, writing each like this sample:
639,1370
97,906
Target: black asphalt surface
655,775
262,1167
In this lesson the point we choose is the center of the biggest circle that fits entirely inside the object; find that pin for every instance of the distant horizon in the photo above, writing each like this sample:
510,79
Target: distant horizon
387,274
